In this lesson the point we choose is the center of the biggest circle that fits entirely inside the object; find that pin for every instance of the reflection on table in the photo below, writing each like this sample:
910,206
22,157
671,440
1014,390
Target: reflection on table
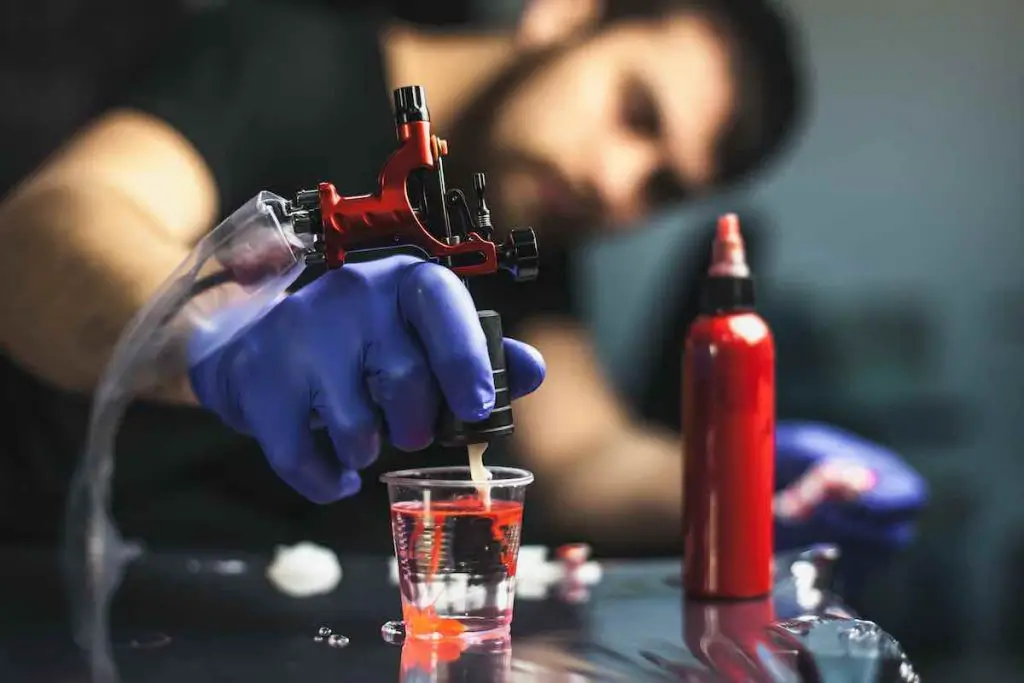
198,618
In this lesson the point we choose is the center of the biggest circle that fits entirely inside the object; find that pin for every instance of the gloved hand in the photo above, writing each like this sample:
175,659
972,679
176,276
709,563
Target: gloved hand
382,342
835,487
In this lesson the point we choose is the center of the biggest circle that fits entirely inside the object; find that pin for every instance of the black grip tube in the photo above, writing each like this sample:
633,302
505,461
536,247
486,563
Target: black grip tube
454,432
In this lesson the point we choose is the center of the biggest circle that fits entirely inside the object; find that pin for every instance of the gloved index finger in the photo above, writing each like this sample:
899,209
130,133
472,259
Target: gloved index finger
440,309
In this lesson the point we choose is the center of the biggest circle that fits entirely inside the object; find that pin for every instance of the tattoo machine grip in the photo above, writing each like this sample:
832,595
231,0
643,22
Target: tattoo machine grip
452,431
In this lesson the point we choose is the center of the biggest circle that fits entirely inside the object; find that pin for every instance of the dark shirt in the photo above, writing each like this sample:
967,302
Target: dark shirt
276,97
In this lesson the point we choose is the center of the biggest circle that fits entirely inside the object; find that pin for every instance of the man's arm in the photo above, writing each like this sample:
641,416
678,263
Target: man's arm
613,478
90,237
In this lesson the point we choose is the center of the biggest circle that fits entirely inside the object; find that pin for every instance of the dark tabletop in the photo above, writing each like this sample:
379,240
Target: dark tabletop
195,618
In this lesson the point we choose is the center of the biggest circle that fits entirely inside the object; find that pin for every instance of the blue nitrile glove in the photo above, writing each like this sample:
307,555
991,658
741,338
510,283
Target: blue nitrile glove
876,514
365,345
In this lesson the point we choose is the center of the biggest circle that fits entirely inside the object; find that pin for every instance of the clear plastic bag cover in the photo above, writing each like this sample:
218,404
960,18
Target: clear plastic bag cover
237,273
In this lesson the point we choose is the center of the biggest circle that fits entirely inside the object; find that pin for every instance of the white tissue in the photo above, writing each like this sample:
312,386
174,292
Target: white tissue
304,570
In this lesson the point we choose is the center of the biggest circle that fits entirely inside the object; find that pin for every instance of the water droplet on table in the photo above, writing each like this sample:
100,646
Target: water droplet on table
322,633
393,632
337,640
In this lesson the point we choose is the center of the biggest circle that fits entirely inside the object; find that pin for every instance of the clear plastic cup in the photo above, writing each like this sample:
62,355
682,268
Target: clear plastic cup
457,546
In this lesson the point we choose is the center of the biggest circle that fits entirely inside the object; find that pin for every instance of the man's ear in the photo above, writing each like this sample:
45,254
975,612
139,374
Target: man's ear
548,22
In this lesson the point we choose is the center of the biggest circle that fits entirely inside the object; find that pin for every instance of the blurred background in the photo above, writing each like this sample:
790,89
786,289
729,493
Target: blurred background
898,226
897,230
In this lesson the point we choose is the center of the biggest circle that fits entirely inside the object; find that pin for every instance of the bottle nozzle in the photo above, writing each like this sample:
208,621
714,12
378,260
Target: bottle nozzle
729,227
729,255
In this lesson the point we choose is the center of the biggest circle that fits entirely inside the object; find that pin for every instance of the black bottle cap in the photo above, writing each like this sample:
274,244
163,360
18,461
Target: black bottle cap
721,294
728,286
724,294
454,432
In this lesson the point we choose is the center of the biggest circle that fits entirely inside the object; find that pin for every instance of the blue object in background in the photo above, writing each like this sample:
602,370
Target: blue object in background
869,528
882,516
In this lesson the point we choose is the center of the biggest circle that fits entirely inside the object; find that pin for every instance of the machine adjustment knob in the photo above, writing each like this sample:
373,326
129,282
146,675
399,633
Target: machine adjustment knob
519,255
307,199
410,104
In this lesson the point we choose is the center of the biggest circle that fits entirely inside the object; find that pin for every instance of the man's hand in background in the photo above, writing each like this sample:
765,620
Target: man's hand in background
835,487
90,237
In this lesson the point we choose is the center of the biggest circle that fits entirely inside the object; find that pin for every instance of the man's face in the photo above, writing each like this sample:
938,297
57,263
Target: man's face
591,136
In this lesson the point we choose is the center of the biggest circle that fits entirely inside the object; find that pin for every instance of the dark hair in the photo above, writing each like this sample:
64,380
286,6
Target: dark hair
766,66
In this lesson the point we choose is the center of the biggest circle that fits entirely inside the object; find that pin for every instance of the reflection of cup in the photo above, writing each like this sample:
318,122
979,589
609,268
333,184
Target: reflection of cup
735,641
457,546
456,659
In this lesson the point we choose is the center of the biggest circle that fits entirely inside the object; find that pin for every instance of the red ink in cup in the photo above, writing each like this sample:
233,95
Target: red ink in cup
457,550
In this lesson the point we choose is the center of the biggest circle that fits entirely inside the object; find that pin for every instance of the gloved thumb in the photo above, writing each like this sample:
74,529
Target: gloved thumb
525,366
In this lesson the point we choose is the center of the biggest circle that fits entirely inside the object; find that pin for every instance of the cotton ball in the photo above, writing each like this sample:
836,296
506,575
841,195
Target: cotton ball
304,570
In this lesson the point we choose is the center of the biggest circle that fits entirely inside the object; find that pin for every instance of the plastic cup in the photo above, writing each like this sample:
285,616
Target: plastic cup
457,546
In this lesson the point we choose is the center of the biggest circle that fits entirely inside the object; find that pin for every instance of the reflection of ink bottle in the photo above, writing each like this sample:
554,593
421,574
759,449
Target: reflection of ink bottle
733,640
729,433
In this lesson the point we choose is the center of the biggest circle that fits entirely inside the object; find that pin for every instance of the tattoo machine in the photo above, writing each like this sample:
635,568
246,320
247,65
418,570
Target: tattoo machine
414,210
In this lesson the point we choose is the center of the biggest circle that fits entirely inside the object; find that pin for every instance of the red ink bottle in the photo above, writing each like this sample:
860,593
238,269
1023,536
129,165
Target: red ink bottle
728,433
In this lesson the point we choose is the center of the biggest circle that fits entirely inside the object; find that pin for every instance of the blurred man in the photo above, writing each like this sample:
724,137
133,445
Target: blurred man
585,117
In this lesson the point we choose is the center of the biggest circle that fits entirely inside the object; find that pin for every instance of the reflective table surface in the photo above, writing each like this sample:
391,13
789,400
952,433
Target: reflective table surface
198,618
